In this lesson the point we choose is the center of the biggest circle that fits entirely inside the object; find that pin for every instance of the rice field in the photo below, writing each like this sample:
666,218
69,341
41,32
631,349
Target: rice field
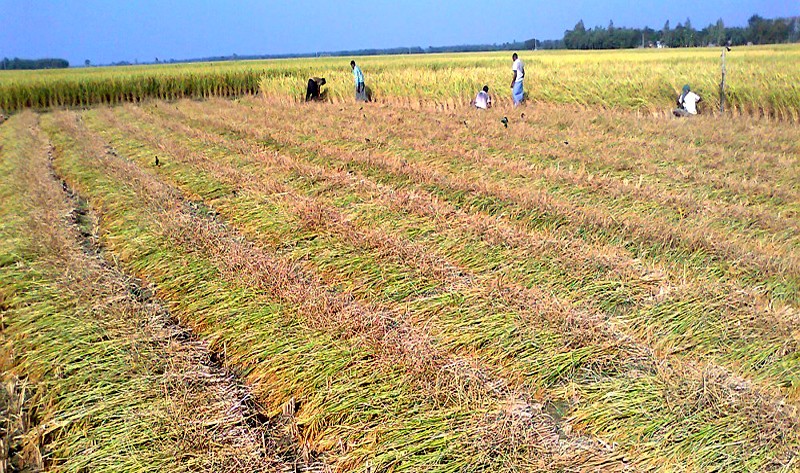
761,80
256,284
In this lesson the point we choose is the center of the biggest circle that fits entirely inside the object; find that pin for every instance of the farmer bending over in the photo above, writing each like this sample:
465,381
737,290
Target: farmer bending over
687,103
314,88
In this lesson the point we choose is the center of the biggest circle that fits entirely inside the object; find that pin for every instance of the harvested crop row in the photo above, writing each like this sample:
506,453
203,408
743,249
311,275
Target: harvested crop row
663,151
367,387
95,375
752,336
556,143
746,343
532,154
208,163
656,161
724,231
740,313
769,264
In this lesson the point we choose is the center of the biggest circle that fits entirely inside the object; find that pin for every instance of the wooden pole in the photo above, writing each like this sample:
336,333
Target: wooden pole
722,83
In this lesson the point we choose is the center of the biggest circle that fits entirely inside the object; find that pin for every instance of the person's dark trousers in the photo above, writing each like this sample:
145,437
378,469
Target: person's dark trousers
312,91
361,93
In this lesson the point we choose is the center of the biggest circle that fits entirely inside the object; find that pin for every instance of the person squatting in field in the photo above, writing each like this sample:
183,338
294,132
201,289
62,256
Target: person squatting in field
483,100
314,88
517,90
358,77
687,103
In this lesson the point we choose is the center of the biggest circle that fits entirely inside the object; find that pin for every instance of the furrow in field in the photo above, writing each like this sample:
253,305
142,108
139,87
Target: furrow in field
96,375
252,183
366,376
672,311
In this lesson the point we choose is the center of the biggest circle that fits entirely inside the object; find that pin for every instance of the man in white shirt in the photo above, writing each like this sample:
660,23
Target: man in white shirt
518,68
687,103
483,99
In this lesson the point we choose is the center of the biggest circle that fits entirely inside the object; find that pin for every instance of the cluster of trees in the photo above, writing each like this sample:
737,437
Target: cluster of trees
18,63
758,31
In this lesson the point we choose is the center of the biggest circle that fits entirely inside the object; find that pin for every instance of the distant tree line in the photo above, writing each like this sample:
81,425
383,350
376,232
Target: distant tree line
47,63
516,45
758,31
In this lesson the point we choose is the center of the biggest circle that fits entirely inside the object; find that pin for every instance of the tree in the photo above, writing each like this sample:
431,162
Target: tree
719,33
689,34
757,29
676,39
737,36
650,36
577,37
778,31
47,63
666,35
87,63
613,39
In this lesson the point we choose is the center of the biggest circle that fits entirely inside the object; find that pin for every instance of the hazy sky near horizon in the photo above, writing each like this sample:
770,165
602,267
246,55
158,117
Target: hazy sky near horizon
105,31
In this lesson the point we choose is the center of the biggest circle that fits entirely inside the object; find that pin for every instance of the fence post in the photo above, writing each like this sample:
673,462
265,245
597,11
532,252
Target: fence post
722,83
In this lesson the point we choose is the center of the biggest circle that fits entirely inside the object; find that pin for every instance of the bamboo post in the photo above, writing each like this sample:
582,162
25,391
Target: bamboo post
722,83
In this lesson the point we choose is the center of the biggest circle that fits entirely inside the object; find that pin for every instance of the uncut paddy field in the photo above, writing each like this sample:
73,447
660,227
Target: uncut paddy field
256,284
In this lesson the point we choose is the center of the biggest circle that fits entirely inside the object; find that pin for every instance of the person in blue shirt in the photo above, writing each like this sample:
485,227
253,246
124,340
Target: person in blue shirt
361,89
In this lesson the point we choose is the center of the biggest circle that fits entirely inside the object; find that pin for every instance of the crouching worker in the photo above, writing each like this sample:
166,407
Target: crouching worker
483,100
314,89
687,103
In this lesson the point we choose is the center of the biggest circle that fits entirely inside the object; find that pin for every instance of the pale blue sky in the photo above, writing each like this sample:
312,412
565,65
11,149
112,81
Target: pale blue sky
114,30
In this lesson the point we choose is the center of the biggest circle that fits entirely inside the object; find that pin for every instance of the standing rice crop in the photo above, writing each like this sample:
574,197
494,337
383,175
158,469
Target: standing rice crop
762,81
